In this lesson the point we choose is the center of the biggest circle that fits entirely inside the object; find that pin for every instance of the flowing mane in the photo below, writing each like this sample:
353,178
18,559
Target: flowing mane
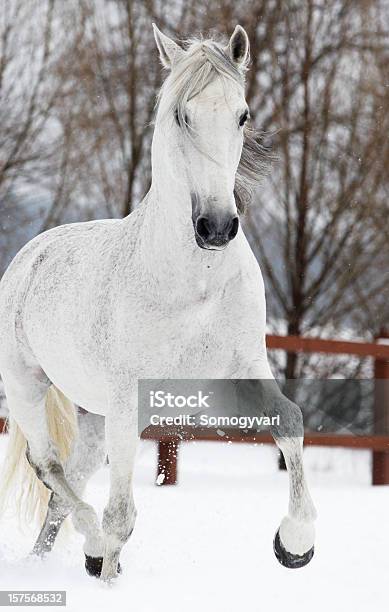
203,61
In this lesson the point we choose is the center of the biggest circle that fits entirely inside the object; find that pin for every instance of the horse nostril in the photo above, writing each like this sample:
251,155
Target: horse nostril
216,231
203,228
233,228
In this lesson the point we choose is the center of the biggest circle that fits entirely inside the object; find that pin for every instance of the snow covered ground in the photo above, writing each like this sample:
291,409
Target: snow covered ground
206,544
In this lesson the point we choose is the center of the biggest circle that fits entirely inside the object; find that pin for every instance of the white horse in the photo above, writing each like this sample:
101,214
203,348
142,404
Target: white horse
171,291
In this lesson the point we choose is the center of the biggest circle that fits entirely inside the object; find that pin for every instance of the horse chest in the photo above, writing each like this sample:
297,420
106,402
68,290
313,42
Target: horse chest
202,334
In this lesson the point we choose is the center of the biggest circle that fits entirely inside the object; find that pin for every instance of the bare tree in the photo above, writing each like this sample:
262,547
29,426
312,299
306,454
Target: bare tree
111,83
30,136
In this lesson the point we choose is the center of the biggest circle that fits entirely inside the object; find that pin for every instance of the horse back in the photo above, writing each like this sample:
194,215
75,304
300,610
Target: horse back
39,272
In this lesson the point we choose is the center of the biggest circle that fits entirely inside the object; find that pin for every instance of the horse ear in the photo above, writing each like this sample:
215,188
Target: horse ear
169,51
239,46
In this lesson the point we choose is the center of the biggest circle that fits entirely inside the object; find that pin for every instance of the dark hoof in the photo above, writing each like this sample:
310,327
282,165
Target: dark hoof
94,565
286,558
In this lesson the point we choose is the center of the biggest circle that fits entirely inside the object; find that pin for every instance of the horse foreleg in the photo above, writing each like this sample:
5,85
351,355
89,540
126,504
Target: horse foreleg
294,540
120,513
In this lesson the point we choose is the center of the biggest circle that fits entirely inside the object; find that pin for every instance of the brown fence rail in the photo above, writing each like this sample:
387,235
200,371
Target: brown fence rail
297,344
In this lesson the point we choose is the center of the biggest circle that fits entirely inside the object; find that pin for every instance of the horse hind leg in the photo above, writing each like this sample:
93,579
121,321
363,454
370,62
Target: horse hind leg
86,456
57,512
26,397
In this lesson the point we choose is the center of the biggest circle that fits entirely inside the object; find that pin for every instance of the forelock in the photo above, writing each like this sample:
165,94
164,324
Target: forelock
203,61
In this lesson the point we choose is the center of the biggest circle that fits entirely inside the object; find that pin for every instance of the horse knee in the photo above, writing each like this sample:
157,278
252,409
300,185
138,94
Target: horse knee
290,420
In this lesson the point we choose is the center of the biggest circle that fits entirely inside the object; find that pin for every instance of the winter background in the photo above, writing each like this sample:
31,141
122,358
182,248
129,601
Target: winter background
78,81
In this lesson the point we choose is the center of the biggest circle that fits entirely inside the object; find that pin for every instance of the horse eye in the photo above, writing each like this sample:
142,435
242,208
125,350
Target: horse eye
243,118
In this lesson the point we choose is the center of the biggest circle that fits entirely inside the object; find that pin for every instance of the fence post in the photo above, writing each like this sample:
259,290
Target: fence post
380,474
167,461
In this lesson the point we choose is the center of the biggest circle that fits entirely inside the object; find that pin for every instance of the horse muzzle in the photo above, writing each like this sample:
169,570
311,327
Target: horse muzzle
214,232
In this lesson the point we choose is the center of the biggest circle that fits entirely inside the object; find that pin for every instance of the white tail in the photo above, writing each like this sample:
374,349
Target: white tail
20,489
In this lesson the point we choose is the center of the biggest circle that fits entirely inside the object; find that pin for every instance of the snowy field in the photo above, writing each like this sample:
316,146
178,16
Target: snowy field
206,544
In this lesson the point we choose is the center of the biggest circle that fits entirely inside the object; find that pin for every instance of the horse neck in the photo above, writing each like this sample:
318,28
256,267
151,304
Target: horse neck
167,231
